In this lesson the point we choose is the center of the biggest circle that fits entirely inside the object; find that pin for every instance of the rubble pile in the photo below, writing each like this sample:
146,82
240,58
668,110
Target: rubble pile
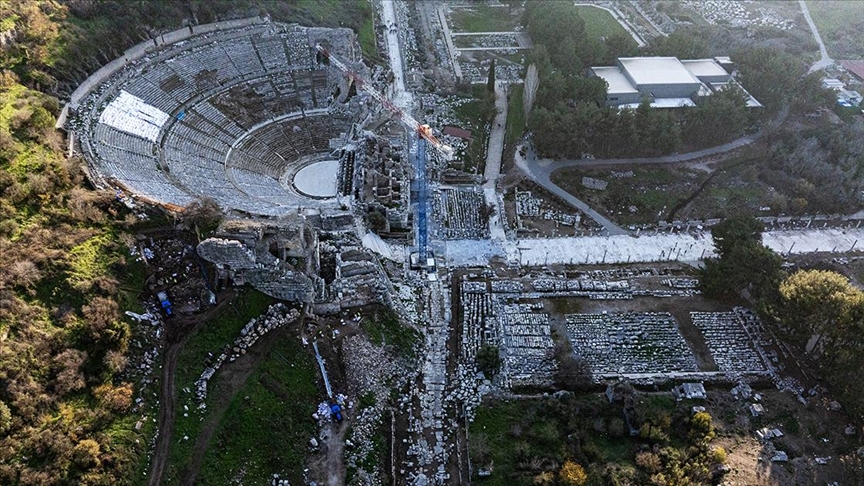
681,283
630,343
369,370
460,214
277,315
478,71
360,280
737,14
729,342
527,347
529,206
495,40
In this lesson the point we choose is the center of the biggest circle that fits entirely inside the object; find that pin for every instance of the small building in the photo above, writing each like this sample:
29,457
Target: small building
856,68
780,456
848,98
690,391
833,83
457,132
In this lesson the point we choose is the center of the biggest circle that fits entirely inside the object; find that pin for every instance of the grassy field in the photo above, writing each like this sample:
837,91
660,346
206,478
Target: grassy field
483,18
210,338
384,328
841,26
475,115
599,23
644,198
523,437
515,115
366,34
268,425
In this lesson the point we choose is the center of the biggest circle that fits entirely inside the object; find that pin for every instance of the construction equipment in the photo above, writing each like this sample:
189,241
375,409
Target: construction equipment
165,303
422,130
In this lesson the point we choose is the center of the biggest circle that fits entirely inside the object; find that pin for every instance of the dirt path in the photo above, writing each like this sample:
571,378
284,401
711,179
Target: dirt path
226,383
178,332
166,414
330,462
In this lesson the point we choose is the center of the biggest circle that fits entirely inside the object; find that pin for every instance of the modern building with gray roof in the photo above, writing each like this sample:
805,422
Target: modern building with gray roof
666,82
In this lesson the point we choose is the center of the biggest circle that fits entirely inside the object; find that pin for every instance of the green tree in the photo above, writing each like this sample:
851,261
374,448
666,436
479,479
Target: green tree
720,118
5,418
203,215
489,360
818,302
490,82
743,265
701,428
810,95
683,44
619,45
739,229
768,74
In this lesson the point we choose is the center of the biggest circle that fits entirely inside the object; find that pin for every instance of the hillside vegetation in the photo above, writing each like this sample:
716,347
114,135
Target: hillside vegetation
58,44
66,392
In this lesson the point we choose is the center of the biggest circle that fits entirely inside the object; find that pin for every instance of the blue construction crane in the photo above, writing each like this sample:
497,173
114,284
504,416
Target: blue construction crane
420,183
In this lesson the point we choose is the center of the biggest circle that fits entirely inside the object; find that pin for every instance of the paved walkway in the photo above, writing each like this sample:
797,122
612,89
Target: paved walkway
656,246
825,60
493,162
448,39
402,98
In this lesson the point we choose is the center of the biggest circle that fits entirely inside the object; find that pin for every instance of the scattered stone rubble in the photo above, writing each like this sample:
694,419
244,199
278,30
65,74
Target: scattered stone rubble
729,341
528,206
737,14
526,346
630,343
369,370
460,214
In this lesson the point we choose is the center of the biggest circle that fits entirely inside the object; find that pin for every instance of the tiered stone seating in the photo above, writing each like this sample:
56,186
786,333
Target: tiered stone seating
208,95
272,51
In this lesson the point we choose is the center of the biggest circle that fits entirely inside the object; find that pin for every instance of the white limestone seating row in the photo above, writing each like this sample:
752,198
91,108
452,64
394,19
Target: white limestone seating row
274,147
628,343
132,115
199,164
263,187
139,176
729,343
